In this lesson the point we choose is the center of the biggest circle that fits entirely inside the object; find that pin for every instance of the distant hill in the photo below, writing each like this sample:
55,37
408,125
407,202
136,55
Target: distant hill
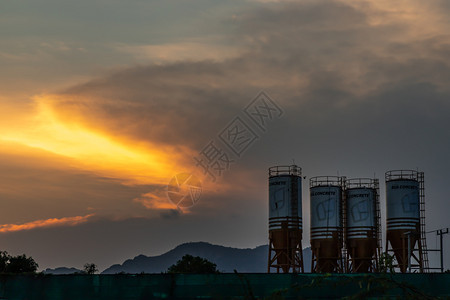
227,259
61,271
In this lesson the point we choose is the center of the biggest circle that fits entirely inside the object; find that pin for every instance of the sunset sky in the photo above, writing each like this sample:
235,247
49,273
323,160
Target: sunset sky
103,102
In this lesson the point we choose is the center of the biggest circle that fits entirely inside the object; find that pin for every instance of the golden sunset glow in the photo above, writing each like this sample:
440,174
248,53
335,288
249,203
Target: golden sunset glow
153,201
68,221
95,151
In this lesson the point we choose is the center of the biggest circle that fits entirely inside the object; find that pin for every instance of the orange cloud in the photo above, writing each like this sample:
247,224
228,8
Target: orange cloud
131,162
68,221
153,201
85,144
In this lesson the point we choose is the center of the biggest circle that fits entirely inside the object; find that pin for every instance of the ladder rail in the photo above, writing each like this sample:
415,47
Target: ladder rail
423,240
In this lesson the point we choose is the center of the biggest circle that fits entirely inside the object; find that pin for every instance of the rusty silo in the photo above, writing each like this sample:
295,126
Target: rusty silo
405,235
285,219
326,193
362,225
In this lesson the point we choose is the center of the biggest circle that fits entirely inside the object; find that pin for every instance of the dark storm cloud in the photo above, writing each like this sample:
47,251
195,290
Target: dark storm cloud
337,76
321,60
169,104
170,213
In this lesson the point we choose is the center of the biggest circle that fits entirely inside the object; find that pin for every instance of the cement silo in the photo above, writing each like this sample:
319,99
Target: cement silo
405,235
362,224
285,219
326,223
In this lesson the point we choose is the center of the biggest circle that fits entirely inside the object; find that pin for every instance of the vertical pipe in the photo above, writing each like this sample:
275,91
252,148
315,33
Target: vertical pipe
270,252
442,250
409,251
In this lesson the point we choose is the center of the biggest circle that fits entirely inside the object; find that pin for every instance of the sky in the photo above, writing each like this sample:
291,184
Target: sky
102,103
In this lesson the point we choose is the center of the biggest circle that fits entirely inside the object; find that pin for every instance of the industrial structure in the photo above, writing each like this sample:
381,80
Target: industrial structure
346,223
362,225
326,196
405,234
285,219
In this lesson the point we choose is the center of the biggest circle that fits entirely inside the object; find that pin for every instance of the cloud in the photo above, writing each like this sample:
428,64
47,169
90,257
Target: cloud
96,151
37,184
53,222
152,201
170,214
361,65
312,56
181,52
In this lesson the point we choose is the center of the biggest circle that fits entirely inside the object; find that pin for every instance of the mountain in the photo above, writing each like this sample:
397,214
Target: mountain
227,259
61,271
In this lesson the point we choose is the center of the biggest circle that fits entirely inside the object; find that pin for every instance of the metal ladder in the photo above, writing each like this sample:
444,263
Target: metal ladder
423,240
379,251
343,243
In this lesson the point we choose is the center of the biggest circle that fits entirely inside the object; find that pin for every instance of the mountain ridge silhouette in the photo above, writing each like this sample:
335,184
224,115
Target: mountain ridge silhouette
227,259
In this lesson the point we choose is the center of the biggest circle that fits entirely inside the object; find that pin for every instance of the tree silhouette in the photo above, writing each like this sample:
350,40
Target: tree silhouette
18,264
90,268
191,264
4,260
386,263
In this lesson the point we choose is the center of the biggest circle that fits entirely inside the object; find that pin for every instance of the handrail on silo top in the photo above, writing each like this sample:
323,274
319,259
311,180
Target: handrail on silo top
293,170
327,181
402,174
361,183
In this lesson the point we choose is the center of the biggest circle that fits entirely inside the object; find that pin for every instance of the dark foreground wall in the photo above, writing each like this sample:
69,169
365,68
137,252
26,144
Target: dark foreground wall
224,286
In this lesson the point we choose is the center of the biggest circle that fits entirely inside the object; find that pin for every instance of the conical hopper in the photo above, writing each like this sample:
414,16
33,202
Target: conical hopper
399,243
281,246
362,252
327,254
